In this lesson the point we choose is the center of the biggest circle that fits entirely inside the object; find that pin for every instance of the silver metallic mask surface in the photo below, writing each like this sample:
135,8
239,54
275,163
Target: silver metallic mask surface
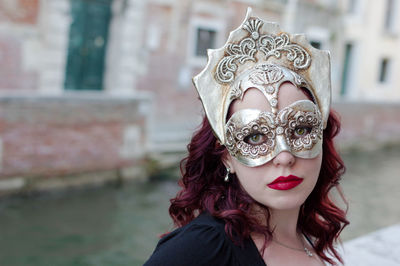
259,55
296,128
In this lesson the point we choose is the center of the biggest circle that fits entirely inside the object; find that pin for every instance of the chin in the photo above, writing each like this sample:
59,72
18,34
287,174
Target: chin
284,203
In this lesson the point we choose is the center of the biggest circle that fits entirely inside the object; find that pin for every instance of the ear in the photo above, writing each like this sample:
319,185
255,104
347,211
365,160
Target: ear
227,160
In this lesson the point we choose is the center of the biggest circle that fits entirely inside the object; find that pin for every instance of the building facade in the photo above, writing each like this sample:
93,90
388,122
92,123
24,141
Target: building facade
68,104
360,34
370,54
177,35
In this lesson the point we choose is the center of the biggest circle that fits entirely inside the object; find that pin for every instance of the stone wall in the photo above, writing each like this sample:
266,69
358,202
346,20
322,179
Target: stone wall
368,125
43,137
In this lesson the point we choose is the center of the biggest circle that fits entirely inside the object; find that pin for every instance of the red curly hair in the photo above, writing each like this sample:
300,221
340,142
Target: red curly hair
204,189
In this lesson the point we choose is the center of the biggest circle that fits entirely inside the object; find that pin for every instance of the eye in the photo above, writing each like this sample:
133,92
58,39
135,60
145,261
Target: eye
301,131
255,139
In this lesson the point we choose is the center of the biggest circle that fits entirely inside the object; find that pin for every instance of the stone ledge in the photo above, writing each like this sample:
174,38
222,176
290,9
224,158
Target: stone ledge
381,247
76,96
37,185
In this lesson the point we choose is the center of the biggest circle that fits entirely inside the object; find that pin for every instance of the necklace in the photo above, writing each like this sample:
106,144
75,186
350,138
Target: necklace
305,249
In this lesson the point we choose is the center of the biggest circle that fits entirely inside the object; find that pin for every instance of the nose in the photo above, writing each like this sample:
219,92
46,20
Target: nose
284,158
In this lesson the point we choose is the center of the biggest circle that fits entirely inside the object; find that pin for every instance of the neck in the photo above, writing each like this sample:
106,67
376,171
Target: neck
284,224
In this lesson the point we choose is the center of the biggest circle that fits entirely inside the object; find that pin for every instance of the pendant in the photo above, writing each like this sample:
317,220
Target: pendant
308,252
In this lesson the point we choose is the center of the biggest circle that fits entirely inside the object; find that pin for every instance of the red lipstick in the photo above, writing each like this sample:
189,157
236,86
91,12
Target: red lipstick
285,182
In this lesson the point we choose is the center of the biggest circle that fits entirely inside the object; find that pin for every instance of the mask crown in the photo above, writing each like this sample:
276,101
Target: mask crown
254,43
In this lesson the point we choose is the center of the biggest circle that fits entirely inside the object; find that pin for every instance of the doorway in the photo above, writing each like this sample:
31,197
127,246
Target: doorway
87,44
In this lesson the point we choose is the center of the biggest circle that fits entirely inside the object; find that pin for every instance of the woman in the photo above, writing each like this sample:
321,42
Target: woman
256,182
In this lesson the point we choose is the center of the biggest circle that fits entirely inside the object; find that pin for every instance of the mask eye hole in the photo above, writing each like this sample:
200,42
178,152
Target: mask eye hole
255,139
301,131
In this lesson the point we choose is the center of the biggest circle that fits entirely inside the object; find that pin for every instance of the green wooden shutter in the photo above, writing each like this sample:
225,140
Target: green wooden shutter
87,44
346,68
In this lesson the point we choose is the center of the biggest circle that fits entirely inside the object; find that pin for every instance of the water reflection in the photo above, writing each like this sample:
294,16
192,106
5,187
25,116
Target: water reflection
372,186
111,226
103,227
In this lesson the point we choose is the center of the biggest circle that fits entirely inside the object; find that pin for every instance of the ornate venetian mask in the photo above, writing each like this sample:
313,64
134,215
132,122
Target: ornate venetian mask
258,55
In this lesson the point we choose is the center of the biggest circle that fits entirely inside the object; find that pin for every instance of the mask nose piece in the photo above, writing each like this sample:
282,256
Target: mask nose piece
281,144
282,159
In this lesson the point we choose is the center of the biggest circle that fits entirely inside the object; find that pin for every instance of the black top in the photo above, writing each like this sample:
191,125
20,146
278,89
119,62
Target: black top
203,242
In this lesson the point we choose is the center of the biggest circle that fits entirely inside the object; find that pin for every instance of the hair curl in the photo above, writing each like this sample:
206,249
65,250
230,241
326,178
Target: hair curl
204,189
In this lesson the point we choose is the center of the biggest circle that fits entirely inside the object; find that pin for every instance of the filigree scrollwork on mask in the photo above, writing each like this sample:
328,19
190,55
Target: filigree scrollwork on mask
252,26
270,45
267,74
255,134
299,80
235,93
311,120
282,118
236,138
237,53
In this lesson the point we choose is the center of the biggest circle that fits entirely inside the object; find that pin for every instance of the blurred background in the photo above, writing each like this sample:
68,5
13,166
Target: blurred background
97,106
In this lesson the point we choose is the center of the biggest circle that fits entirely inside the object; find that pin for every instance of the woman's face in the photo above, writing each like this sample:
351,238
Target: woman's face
298,176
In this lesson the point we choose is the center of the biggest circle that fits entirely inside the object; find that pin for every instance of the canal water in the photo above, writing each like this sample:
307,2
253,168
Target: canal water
120,226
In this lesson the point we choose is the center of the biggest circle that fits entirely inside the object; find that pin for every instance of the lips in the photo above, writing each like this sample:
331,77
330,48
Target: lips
285,182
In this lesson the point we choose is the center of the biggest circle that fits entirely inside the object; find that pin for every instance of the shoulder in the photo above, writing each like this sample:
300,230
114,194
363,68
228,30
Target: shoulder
201,242
205,230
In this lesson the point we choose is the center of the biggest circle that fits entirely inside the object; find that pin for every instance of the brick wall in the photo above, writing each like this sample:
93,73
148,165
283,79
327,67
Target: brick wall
64,135
368,125
19,11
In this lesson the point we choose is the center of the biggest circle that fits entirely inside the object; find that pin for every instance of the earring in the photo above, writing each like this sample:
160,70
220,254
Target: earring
228,171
